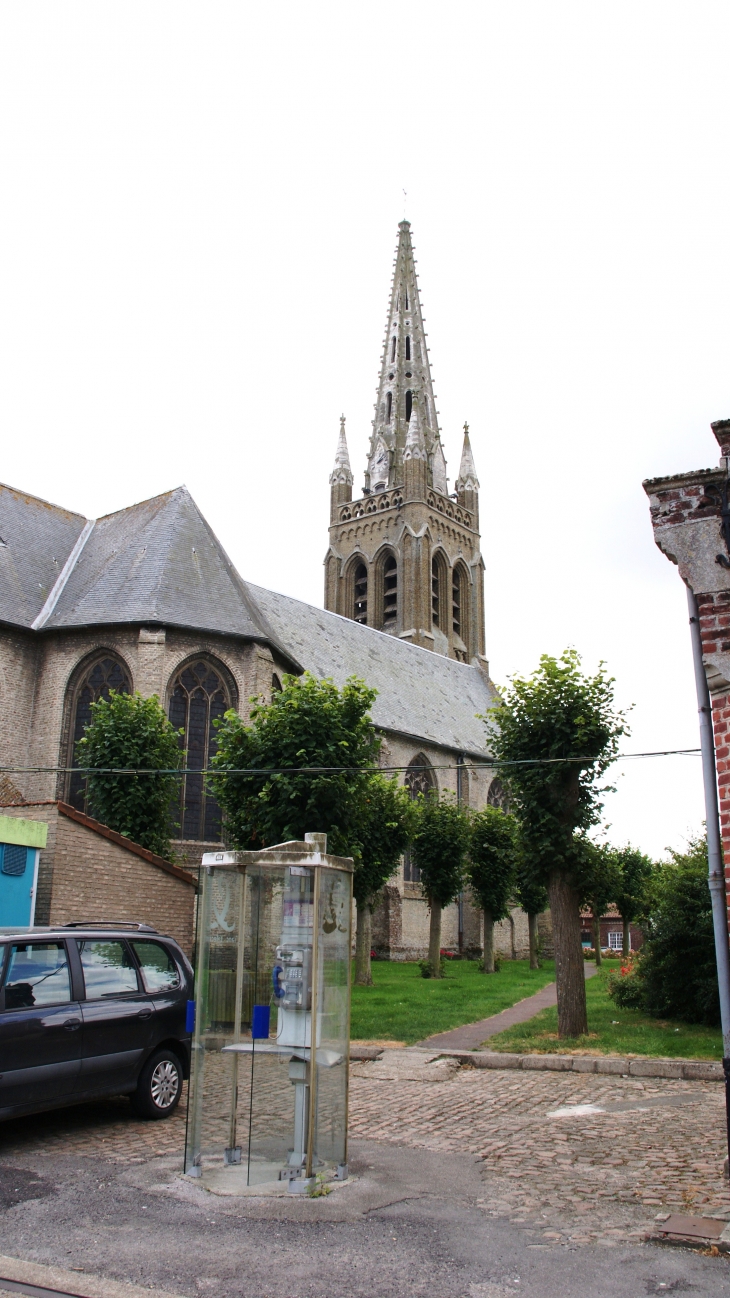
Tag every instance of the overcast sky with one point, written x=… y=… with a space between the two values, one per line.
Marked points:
x=199 y=211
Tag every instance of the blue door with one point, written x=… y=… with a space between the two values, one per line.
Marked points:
x=17 y=879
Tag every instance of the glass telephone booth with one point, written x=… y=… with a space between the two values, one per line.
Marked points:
x=269 y=1076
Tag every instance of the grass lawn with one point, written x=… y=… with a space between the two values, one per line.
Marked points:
x=612 y=1031
x=402 y=1006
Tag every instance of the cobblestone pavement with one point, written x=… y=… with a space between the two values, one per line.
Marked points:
x=577 y=1177
x=568 y=1173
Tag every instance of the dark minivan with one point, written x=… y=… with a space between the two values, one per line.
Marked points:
x=88 y=1010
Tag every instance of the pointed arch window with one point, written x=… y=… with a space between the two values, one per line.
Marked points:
x=439 y=614
x=388 y=407
x=457 y=601
x=199 y=696
x=460 y=612
x=390 y=591
x=497 y=795
x=420 y=778
x=104 y=673
x=392 y=350
x=409 y=405
x=408 y=347
x=361 y=594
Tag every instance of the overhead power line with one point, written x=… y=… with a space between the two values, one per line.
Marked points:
x=332 y=770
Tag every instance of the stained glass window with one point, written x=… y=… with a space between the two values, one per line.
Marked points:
x=198 y=697
x=420 y=778
x=102 y=676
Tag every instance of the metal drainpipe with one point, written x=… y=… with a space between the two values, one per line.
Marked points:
x=459 y=798
x=716 y=878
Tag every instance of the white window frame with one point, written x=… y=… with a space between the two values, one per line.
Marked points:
x=616 y=940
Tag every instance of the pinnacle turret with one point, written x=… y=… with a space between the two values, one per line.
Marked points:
x=415 y=447
x=342 y=473
x=467 y=479
x=405 y=384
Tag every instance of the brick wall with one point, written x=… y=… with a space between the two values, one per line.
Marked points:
x=87 y=874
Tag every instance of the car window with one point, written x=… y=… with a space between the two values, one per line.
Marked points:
x=108 y=969
x=37 y=975
x=159 y=971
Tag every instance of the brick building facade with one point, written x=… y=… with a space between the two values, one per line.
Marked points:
x=89 y=873
x=691 y=520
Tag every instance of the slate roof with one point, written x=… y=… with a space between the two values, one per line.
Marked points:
x=37 y=539
x=158 y=562
x=420 y=693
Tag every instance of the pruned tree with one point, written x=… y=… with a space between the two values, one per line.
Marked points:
x=601 y=876
x=131 y=753
x=301 y=766
x=533 y=898
x=555 y=734
x=385 y=815
x=491 y=870
x=439 y=844
x=636 y=872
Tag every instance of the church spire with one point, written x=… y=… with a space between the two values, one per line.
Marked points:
x=405 y=382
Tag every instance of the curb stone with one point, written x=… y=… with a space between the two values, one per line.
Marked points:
x=690 y=1070
x=74 y=1283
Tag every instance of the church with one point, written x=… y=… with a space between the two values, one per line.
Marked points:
x=146 y=599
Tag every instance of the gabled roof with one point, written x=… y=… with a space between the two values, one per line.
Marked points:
x=157 y=562
x=420 y=693
x=36 y=539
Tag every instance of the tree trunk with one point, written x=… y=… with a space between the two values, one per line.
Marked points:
x=363 y=940
x=597 y=940
x=627 y=939
x=569 y=971
x=513 y=947
x=532 y=930
x=488 y=961
x=434 y=940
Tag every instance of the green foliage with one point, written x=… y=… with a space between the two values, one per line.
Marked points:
x=600 y=874
x=529 y=891
x=427 y=969
x=384 y=818
x=636 y=873
x=558 y=712
x=677 y=964
x=440 y=842
x=258 y=782
x=128 y=732
x=493 y=859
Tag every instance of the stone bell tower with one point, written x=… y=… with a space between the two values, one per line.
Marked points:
x=405 y=557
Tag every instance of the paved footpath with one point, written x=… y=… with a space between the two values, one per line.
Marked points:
x=473 y=1035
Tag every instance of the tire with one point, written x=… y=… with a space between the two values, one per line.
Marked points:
x=159 y=1086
